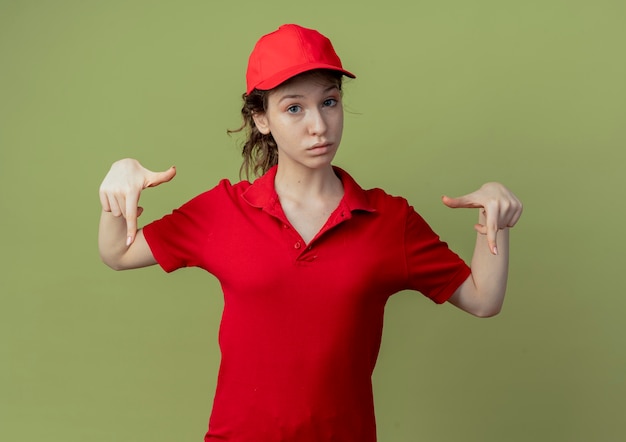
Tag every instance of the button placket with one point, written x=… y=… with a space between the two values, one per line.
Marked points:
x=298 y=245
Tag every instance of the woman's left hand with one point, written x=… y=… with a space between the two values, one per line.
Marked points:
x=501 y=209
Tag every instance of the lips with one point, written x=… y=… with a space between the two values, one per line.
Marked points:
x=320 y=147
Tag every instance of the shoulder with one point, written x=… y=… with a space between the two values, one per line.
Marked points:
x=390 y=209
x=372 y=199
x=397 y=210
x=223 y=190
x=381 y=198
x=221 y=198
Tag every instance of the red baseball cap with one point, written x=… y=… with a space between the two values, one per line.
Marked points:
x=289 y=51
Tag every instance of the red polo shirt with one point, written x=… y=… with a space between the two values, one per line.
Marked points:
x=302 y=323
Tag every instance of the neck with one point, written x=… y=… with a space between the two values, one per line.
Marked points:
x=307 y=183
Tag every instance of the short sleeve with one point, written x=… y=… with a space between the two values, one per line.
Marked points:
x=433 y=269
x=179 y=239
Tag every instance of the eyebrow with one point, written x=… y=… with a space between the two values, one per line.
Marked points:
x=286 y=97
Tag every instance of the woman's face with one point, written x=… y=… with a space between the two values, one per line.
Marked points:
x=305 y=117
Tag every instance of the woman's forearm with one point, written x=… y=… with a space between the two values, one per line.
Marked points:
x=490 y=272
x=112 y=239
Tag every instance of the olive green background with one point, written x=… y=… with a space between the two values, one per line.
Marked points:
x=449 y=94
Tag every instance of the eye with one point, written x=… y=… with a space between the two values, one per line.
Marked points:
x=294 y=109
x=330 y=102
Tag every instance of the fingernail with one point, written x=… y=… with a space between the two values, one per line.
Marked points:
x=129 y=240
x=495 y=250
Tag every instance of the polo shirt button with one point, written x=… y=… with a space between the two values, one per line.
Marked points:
x=285 y=226
x=297 y=245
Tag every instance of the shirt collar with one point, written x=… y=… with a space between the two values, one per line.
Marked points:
x=262 y=193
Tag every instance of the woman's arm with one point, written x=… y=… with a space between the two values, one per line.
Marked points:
x=121 y=246
x=482 y=294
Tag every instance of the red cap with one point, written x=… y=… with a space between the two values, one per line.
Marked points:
x=287 y=52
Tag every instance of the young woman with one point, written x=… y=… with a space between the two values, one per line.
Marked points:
x=306 y=258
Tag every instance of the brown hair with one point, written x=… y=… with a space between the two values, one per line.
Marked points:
x=259 y=151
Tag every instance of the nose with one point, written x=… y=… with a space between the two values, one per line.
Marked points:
x=317 y=123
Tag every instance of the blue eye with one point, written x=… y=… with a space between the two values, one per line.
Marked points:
x=330 y=102
x=293 y=109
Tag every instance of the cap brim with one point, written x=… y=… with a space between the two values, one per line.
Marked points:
x=282 y=76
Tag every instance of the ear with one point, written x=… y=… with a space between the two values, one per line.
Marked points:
x=261 y=123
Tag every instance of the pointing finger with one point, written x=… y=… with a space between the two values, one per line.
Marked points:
x=491 y=224
x=131 y=218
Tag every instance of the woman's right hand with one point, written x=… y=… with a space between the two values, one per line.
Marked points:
x=121 y=188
